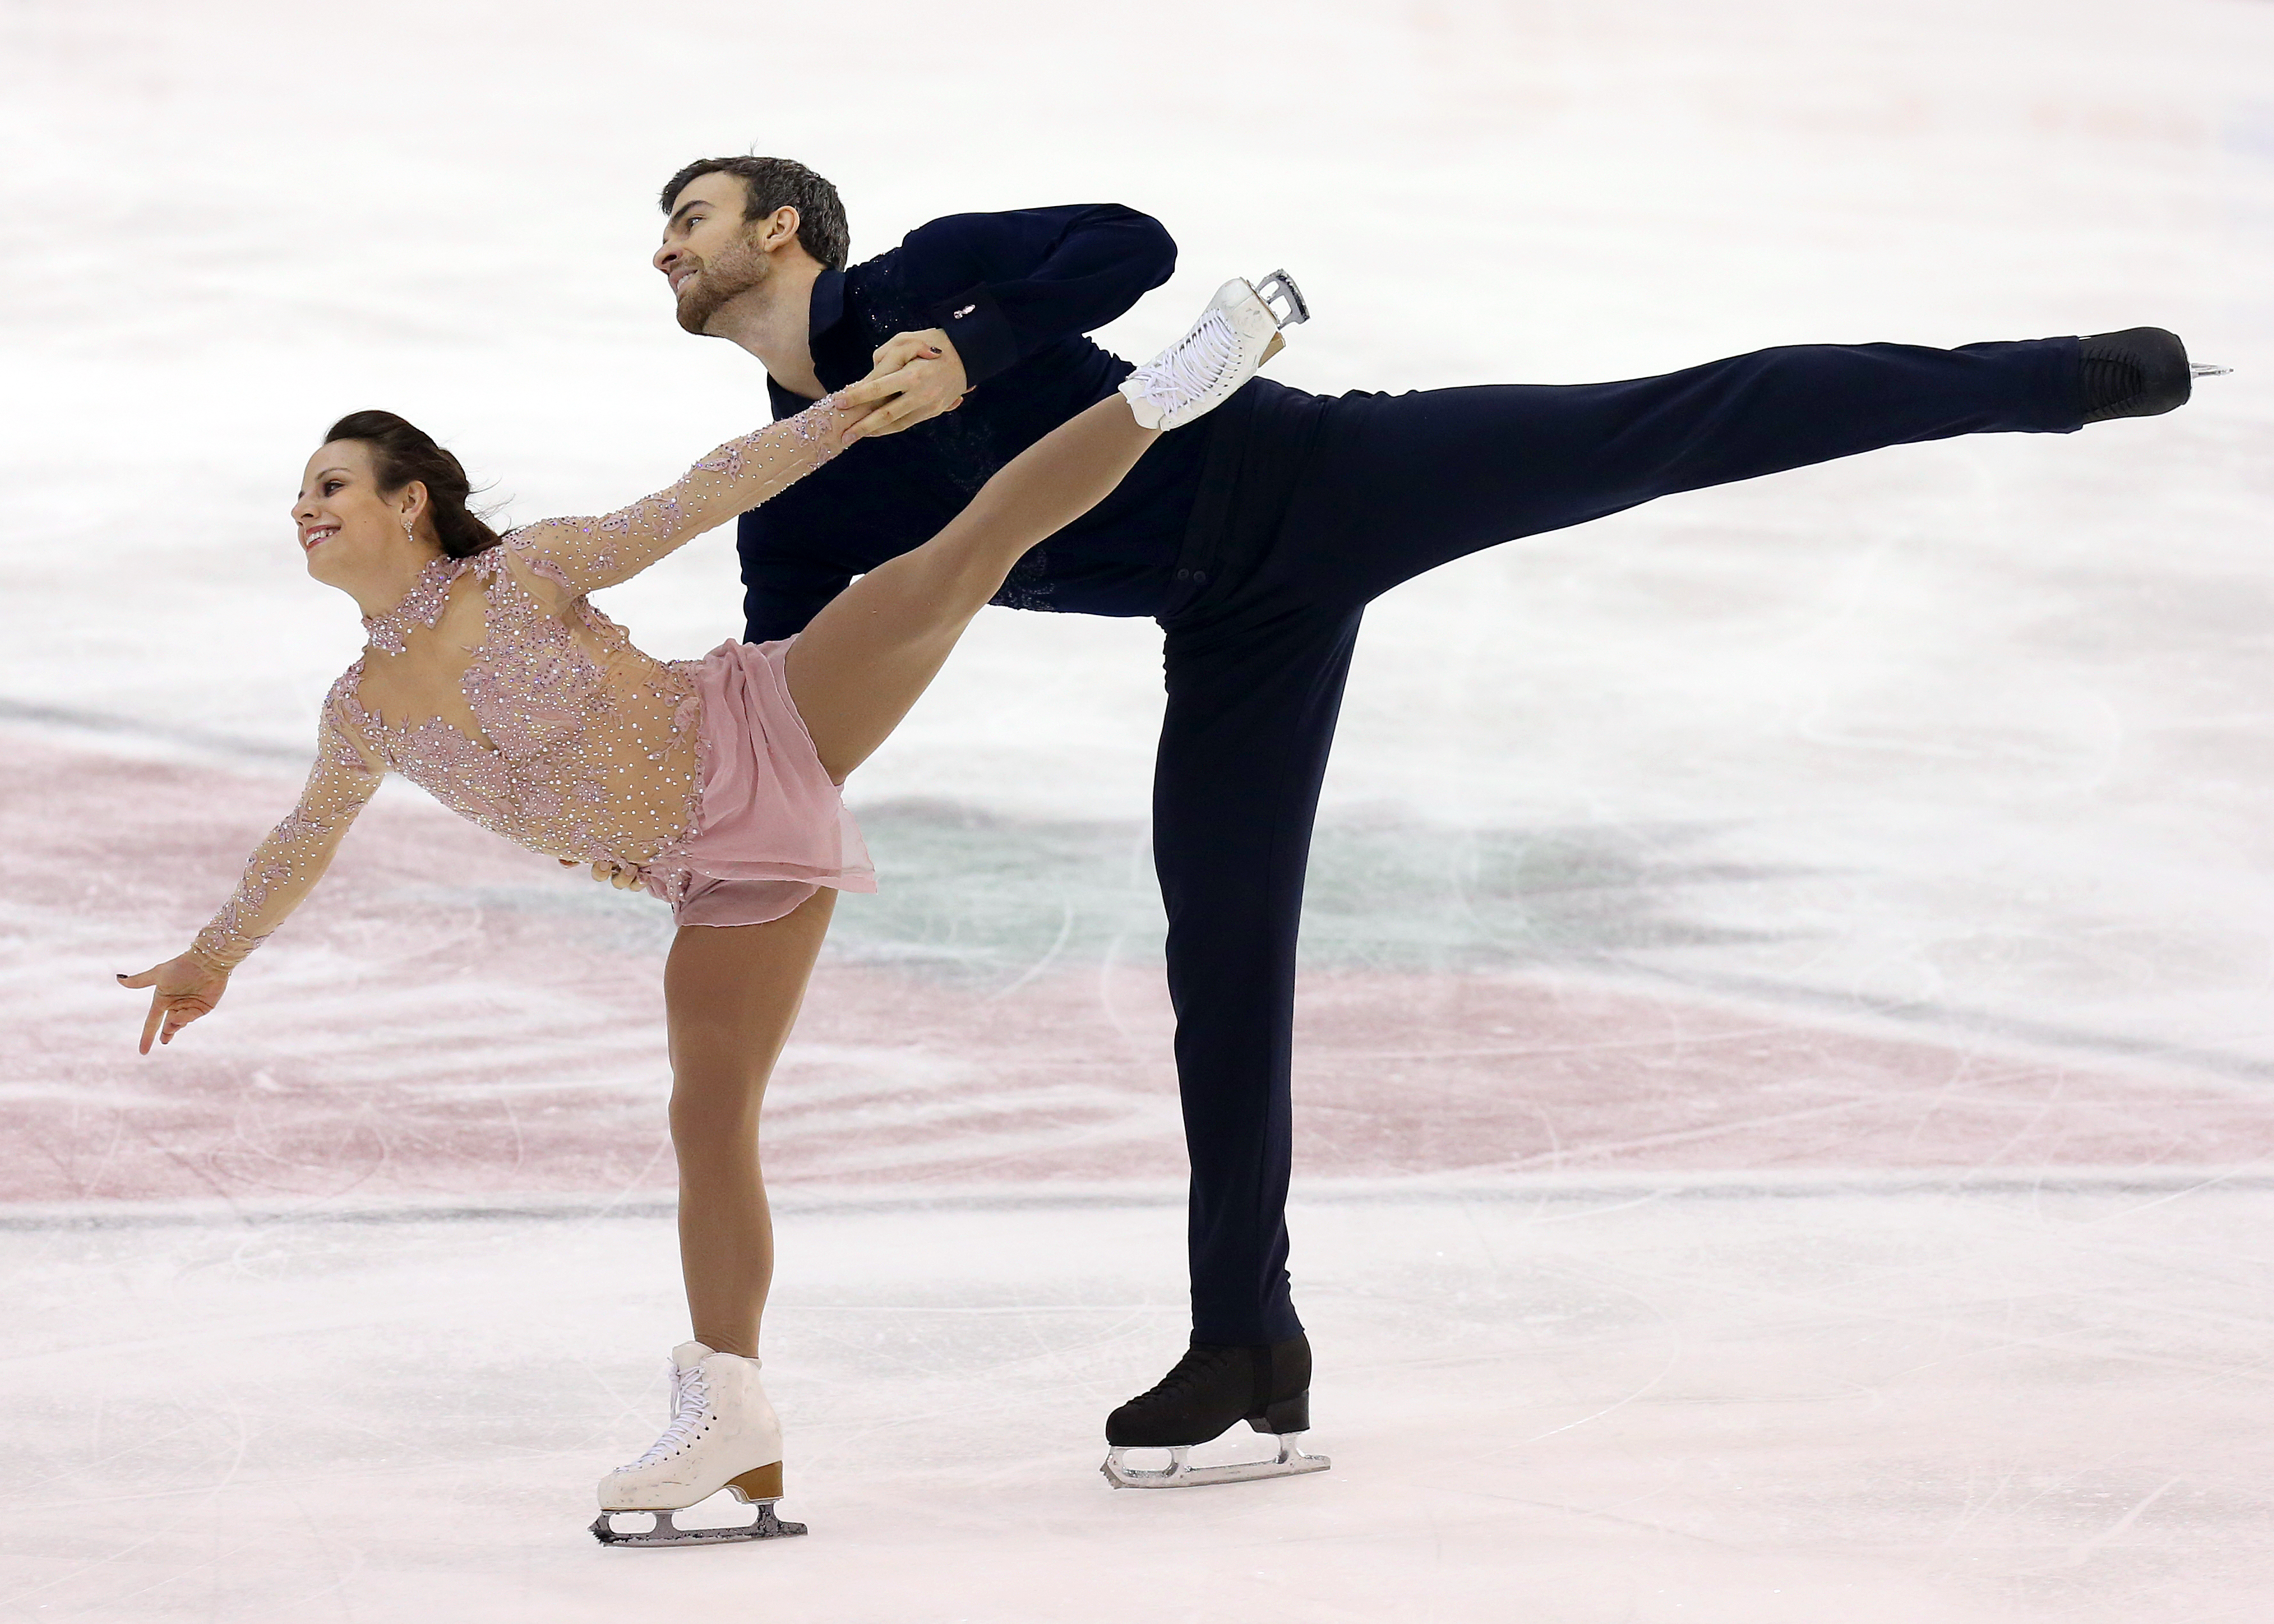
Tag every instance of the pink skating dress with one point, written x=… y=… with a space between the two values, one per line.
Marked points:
x=495 y=686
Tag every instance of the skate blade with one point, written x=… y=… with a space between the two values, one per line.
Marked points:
x=1181 y=1474
x=2207 y=369
x=767 y=1526
x=1283 y=299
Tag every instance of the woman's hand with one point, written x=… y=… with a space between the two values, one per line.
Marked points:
x=622 y=876
x=914 y=376
x=181 y=990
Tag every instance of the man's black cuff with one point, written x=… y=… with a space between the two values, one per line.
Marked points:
x=981 y=333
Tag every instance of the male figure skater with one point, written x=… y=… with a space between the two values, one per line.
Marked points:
x=1255 y=540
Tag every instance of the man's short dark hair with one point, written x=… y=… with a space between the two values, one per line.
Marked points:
x=769 y=182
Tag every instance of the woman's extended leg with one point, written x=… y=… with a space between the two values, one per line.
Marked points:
x=871 y=653
x=731 y=993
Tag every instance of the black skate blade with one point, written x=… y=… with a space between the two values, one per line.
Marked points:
x=766 y=1526
x=1181 y=1474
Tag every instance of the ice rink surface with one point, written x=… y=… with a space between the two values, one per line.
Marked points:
x=1786 y=1405
x=1785 y=1126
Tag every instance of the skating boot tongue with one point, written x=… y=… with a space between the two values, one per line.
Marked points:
x=685 y=1360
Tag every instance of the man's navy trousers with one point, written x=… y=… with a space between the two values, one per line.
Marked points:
x=1313 y=507
x=1256 y=538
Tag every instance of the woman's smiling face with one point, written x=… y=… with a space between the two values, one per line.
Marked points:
x=347 y=527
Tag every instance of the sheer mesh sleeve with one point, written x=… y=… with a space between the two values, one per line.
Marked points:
x=285 y=867
x=585 y=555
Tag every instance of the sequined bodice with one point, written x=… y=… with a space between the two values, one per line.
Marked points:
x=583 y=745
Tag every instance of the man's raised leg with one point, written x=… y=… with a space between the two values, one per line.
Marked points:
x=1401 y=483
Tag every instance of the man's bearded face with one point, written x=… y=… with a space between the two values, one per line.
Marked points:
x=733 y=265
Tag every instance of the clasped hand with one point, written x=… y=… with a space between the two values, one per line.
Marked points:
x=912 y=377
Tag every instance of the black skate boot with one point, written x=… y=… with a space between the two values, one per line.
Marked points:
x=2139 y=373
x=1213 y=1387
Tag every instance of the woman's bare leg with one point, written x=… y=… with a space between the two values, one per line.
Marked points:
x=871 y=653
x=731 y=993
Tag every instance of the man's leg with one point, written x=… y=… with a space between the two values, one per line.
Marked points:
x=1251 y=714
x=1253 y=700
x=1400 y=484
x=1394 y=485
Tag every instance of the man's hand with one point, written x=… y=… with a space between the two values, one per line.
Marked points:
x=622 y=876
x=924 y=376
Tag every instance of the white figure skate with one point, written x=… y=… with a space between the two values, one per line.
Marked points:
x=1237 y=332
x=723 y=1435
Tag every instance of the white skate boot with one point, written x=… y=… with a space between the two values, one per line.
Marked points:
x=723 y=1435
x=1237 y=334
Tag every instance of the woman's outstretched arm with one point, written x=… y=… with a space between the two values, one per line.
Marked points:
x=584 y=555
x=281 y=871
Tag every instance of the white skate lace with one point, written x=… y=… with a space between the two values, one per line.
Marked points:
x=692 y=1390
x=1191 y=369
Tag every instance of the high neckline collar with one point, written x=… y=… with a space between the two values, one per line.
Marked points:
x=825 y=311
x=828 y=308
x=421 y=605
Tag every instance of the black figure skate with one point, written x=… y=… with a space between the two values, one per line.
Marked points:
x=2139 y=373
x=1211 y=1387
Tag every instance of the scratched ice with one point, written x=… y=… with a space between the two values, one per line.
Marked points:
x=1785 y=1107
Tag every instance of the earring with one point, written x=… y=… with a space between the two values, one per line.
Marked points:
x=410 y=527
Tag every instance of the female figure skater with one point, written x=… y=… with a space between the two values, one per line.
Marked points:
x=490 y=680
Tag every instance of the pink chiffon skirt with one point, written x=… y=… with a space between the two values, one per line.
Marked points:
x=770 y=829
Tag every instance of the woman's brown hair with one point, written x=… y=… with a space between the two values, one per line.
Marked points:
x=401 y=452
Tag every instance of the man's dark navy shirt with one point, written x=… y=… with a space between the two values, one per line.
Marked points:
x=1016 y=292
